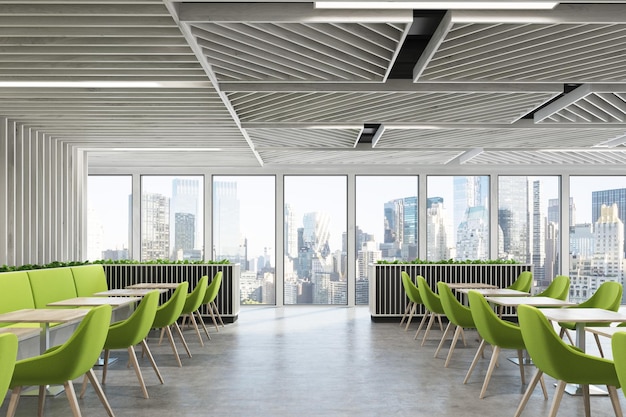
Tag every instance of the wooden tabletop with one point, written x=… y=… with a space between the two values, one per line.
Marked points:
x=533 y=301
x=496 y=292
x=585 y=315
x=155 y=285
x=43 y=315
x=129 y=292
x=95 y=301
x=470 y=285
x=605 y=331
x=21 y=332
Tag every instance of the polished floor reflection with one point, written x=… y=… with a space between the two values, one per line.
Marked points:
x=315 y=361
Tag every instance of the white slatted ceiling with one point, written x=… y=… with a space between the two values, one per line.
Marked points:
x=496 y=138
x=297 y=51
x=593 y=108
x=303 y=138
x=565 y=53
x=582 y=157
x=356 y=157
x=388 y=107
x=193 y=159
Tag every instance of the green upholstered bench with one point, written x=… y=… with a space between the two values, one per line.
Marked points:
x=15 y=294
x=89 y=279
x=50 y=285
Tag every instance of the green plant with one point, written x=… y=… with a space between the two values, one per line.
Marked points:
x=58 y=264
x=452 y=262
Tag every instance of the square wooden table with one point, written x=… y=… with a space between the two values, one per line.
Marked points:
x=21 y=332
x=129 y=292
x=496 y=292
x=155 y=285
x=607 y=331
x=44 y=316
x=532 y=301
x=471 y=285
x=95 y=301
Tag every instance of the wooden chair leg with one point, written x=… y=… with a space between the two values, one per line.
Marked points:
x=586 y=400
x=173 y=345
x=411 y=314
x=83 y=388
x=195 y=326
x=529 y=390
x=41 y=400
x=443 y=338
x=479 y=353
x=424 y=318
x=558 y=395
x=15 y=399
x=210 y=308
x=217 y=313
x=180 y=333
x=105 y=366
x=71 y=397
x=201 y=320
x=599 y=345
x=147 y=351
x=133 y=359
x=455 y=338
x=406 y=312
x=430 y=324
x=520 y=358
x=617 y=408
x=492 y=365
x=96 y=386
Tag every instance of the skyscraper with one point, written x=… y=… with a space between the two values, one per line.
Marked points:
x=513 y=218
x=400 y=240
x=538 y=235
x=291 y=232
x=439 y=232
x=184 y=209
x=608 y=197
x=155 y=226
x=471 y=217
x=227 y=238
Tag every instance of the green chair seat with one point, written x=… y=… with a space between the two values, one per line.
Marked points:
x=432 y=303
x=558 y=288
x=193 y=301
x=209 y=300
x=523 y=282
x=413 y=294
x=166 y=316
x=561 y=361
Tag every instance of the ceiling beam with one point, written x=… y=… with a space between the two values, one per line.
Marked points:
x=284 y=13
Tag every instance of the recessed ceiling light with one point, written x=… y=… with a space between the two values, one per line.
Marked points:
x=438 y=5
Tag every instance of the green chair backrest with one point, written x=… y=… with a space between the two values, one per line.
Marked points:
x=170 y=310
x=492 y=328
x=608 y=296
x=523 y=282
x=53 y=284
x=15 y=292
x=558 y=359
x=618 y=344
x=71 y=359
x=411 y=290
x=429 y=297
x=456 y=312
x=558 y=288
x=89 y=279
x=213 y=288
x=8 y=354
x=135 y=328
x=194 y=299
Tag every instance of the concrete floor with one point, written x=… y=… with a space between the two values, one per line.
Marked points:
x=315 y=361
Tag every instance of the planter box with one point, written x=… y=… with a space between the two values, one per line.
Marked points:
x=120 y=276
x=387 y=296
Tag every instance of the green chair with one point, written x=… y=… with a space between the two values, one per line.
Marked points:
x=8 y=354
x=432 y=303
x=64 y=363
x=209 y=300
x=558 y=288
x=130 y=332
x=193 y=301
x=458 y=315
x=413 y=294
x=166 y=316
x=499 y=334
x=608 y=297
x=523 y=282
x=618 y=344
x=563 y=362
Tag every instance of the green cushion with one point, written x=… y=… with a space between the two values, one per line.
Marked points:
x=89 y=279
x=15 y=292
x=51 y=285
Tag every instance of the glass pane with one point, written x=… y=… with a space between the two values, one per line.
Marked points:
x=462 y=233
x=386 y=224
x=315 y=222
x=244 y=232
x=529 y=223
x=171 y=218
x=108 y=220
x=597 y=213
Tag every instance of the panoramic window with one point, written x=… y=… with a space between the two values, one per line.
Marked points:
x=172 y=211
x=457 y=217
x=596 y=239
x=529 y=224
x=244 y=232
x=386 y=224
x=108 y=220
x=315 y=254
